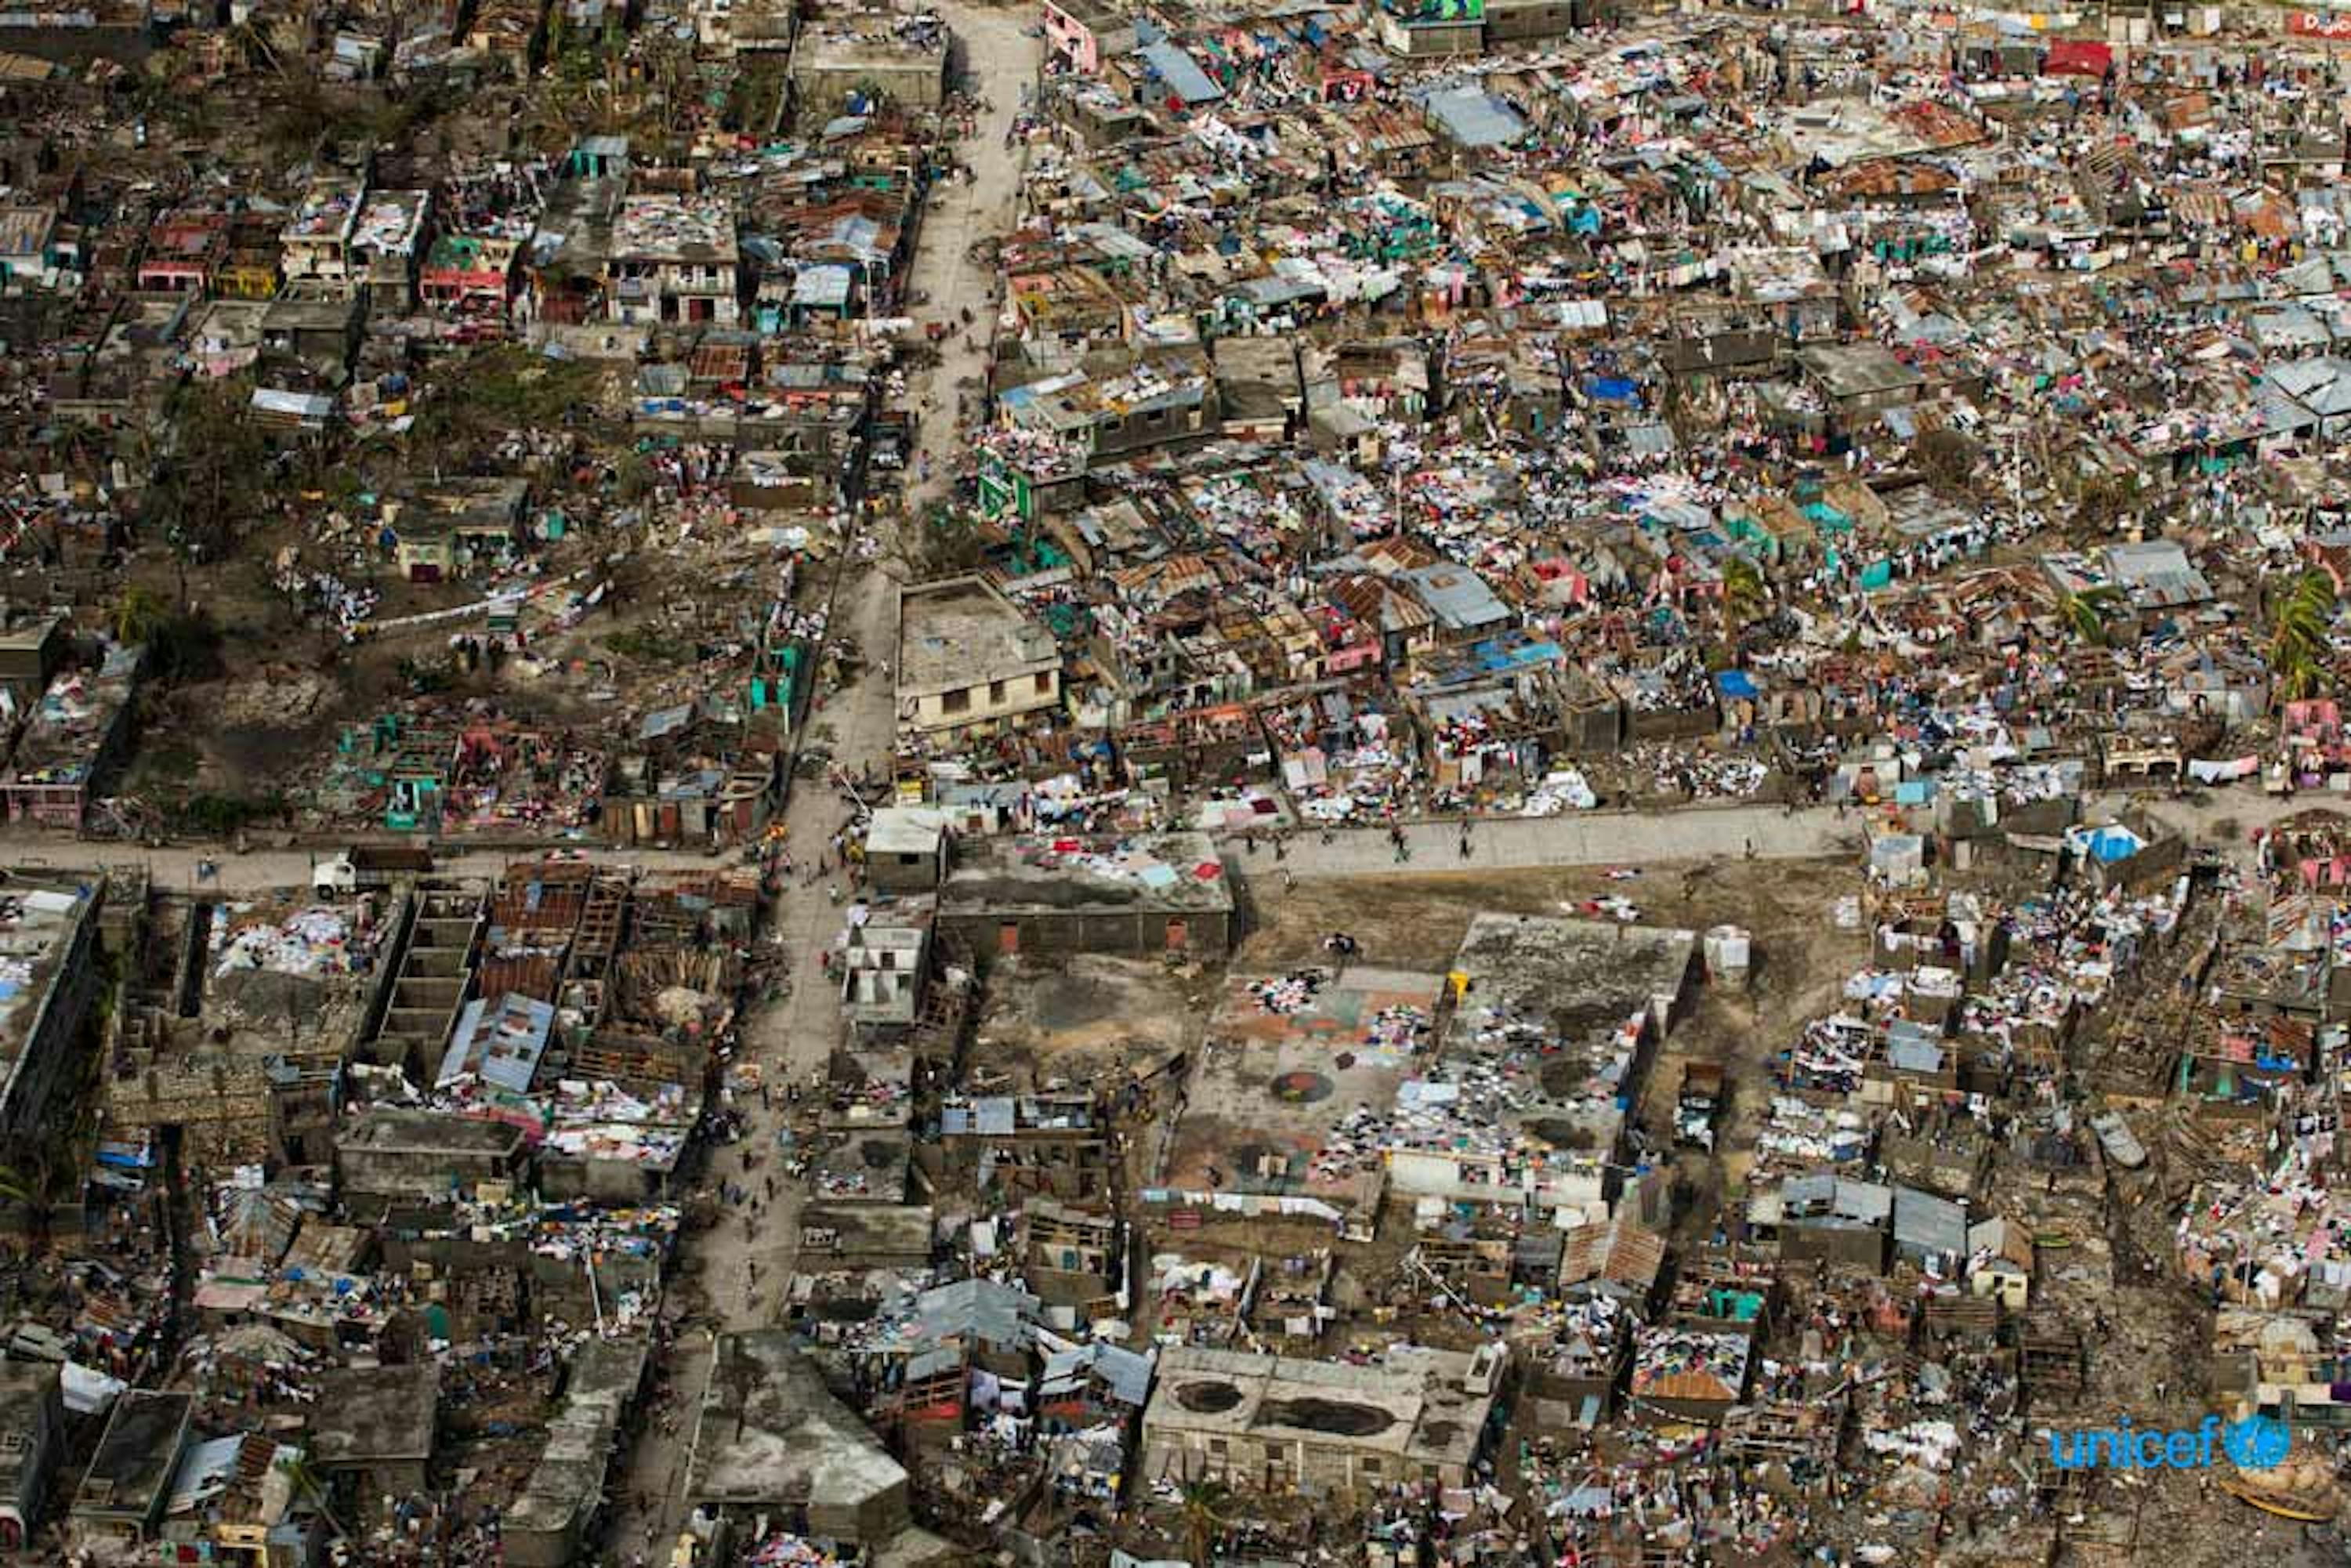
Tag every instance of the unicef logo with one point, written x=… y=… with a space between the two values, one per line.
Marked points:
x=2256 y=1443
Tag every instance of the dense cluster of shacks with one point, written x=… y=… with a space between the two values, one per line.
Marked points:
x=1456 y=409
x=461 y=396
x=1409 y=1262
x=1510 y=407
x=1384 y=420
x=369 y=1262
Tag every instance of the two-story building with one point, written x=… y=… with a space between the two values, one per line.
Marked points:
x=674 y=258
x=315 y=242
x=971 y=660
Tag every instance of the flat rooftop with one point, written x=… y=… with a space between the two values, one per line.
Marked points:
x=1178 y=873
x=137 y=1453
x=769 y=1434
x=389 y=1129
x=1566 y=979
x=855 y=51
x=1292 y=1064
x=369 y=1415
x=1413 y=1404
x=1081 y=1019
x=674 y=228
x=39 y=913
x=959 y=632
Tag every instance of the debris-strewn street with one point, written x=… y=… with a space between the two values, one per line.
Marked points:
x=1426 y=783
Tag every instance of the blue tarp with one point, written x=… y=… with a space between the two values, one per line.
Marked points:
x=2108 y=844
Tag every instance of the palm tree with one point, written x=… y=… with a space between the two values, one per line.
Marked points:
x=27 y=1187
x=139 y=614
x=1205 y=1505
x=2301 y=629
x=2087 y=611
x=1744 y=591
x=309 y=1483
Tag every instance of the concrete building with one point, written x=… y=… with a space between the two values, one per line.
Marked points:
x=387 y=245
x=1860 y=381
x=882 y=972
x=391 y=1153
x=902 y=59
x=373 y=1427
x=1027 y=1142
x=1419 y=29
x=1162 y=893
x=120 y=1500
x=906 y=849
x=1523 y=21
x=48 y=926
x=553 y=1520
x=771 y=1441
x=674 y=259
x=31 y=651
x=1568 y=1011
x=317 y=239
x=970 y=660
x=1265 y=1422
x=32 y=1440
x=1087 y=32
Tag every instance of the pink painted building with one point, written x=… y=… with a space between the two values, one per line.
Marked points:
x=1087 y=32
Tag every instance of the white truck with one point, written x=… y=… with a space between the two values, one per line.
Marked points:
x=364 y=866
x=1697 y=1105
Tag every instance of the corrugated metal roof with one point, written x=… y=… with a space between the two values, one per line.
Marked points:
x=502 y=1046
x=1474 y=117
x=1181 y=72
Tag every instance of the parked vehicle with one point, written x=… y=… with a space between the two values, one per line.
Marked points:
x=1699 y=1104
x=364 y=866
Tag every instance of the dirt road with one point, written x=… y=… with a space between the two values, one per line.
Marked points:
x=739 y=1266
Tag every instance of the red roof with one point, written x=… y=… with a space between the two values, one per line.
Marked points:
x=2068 y=58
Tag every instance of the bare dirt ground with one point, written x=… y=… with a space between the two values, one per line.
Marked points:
x=1084 y=1018
x=1800 y=960
x=1416 y=922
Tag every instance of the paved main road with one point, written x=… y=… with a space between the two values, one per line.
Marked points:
x=807 y=916
x=860 y=716
x=1600 y=838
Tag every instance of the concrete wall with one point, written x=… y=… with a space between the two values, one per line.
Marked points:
x=1526 y=19
x=1140 y=934
x=921 y=83
x=1859 y=1247
x=878 y=1518
x=426 y=1174
x=902 y=874
x=1073 y=38
x=604 y=1181
x=982 y=707
x=1253 y=1463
